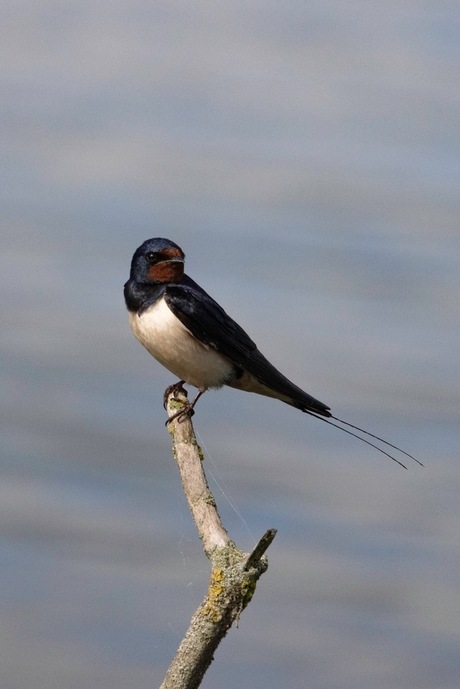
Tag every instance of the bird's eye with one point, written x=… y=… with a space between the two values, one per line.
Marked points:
x=151 y=256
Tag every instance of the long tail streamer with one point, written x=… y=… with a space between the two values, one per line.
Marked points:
x=368 y=442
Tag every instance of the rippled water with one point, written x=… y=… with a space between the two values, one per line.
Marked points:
x=306 y=159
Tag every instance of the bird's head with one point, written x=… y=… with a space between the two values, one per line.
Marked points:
x=157 y=261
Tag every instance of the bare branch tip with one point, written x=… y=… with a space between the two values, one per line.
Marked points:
x=260 y=549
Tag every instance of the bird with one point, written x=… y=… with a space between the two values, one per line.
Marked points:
x=192 y=336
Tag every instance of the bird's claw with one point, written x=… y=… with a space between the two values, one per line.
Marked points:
x=188 y=410
x=175 y=387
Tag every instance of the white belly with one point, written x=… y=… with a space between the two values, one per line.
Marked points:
x=169 y=341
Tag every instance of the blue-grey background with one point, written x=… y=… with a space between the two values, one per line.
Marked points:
x=305 y=156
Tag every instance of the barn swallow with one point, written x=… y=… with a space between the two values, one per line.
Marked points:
x=194 y=338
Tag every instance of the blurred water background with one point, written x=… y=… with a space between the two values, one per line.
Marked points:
x=306 y=158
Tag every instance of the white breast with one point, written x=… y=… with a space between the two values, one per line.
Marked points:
x=169 y=341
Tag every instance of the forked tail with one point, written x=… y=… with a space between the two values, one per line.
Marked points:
x=368 y=442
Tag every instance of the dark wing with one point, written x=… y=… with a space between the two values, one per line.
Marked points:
x=208 y=322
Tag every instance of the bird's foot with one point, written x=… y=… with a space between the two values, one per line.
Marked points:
x=187 y=410
x=188 y=407
x=175 y=387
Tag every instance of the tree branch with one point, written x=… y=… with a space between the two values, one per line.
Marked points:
x=234 y=574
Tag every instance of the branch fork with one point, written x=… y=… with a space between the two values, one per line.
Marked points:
x=234 y=574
